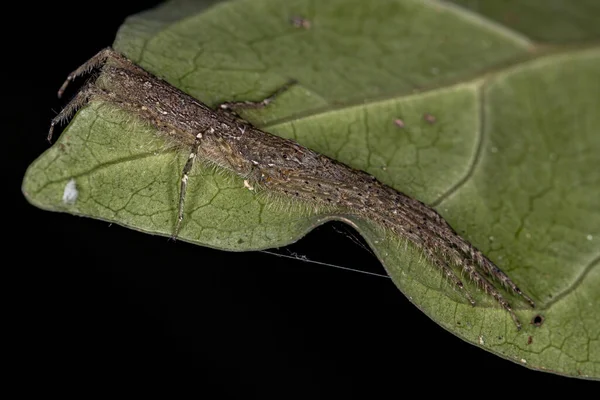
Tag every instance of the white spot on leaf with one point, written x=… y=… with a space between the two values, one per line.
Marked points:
x=70 y=194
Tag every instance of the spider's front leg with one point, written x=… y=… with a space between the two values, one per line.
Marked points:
x=84 y=96
x=98 y=61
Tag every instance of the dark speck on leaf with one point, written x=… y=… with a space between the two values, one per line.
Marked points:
x=538 y=320
x=429 y=118
x=300 y=22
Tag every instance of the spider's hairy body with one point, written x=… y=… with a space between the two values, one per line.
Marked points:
x=283 y=167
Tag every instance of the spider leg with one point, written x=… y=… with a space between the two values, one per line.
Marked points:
x=492 y=270
x=447 y=271
x=184 y=182
x=239 y=105
x=481 y=281
x=98 y=61
x=81 y=99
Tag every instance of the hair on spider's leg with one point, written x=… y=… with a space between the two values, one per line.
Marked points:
x=184 y=182
x=446 y=270
x=488 y=288
x=492 y=270
x=81 y=98
x=98 y=61
x=239 y=105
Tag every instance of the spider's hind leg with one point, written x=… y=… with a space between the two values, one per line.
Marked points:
x=492 y=270
x=447 y=271
x=471 y=269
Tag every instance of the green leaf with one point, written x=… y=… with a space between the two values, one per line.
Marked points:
x=509 y=155
x=558 y=22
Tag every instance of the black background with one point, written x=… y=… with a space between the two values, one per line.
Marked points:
x=98 y=308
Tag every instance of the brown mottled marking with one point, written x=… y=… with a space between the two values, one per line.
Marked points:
x=300 y=22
